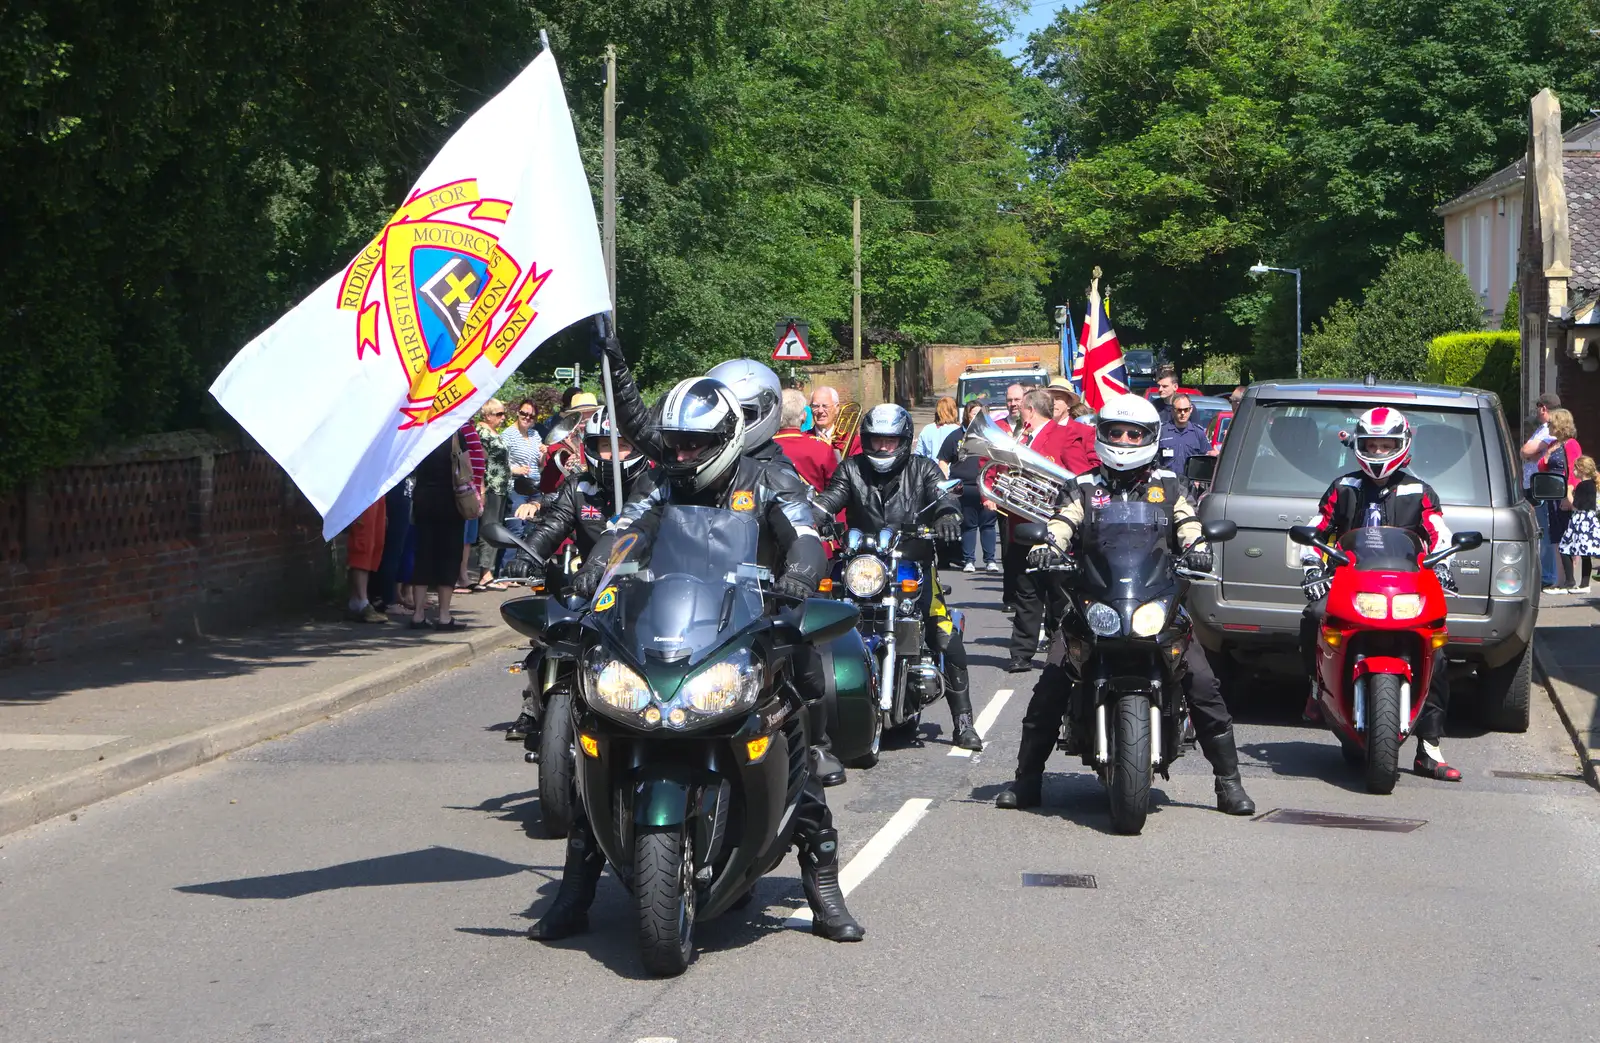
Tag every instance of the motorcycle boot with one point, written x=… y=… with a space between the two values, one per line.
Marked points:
x=569 y=913
x=958 y=694
x=828 y=769
x=819 y=873
x=1430 y=763
x=1223 y=754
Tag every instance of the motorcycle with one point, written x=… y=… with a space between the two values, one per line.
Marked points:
x=694 y=741
x=882 y=574
x=1126 y=633
x=1375 y=653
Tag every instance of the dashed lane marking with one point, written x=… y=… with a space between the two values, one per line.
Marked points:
x=986 y=719
x=871 y=857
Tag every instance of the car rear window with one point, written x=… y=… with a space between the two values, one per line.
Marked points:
x=1293 y=449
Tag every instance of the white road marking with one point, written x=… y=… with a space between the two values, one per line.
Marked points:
x=872 y=856
x=54 y=743
x=986 y=719
x=656 y=1039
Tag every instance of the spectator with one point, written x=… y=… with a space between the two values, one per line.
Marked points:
x=978 y=517
x=365 y=555
x=1074 y=444
x=1012 y=424
x=812 y=457
x=392 y=590
x=1561 y=457
x=1533 y=451
x=1166 y=387
x=1063 y=399
x=469 y=532
x=438 y=528
x=1182 y=439
x=1236 y=397
x=824 y=411
x=523 y=450
x=932 y=437
x=496 y=486
x=1582 y=540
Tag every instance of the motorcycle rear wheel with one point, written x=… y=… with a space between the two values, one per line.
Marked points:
x=556 y=766
x=663 y=887
x=1383 y=732
x=1128 y=780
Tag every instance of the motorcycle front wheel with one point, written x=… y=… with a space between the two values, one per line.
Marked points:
x=663 y=887
x=1129 y=772
x=1383 y=732
x=556 y=765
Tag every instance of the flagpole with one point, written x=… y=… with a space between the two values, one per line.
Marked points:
x=608 y=224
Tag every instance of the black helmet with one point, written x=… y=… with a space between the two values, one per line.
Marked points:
x=597 y=436
x=887 y=421
x=701 y=416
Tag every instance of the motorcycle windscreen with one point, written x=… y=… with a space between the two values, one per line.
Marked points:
x=1125 y=550
x=688 y=584
x=1383 y=548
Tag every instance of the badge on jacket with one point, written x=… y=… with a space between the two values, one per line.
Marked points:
x=607 y=598
x=1099 y=498
x=589 y=512
x=1156 y=494
x=744 y=500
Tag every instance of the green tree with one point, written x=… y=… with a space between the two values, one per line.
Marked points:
x=1419 y=296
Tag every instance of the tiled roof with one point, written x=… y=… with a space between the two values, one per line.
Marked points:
x=1582 y=170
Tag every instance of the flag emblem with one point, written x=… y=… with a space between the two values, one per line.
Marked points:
x=447 y=290
x=1098 y=369
x=589 y=512
x=1099 y=498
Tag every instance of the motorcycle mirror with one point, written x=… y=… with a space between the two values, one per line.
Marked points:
x=1029 y=532
x=524 y=485
x=1467 y=540
x=1305 y=535
x=885 y=535
x=1219 y=530
x=1200 y=468
x=852 y=540
x=950 y=485
x=823 y=619
x=496 y=534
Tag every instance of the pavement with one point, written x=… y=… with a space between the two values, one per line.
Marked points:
x=80 y=730
x=1567 y=654
x=372 y=876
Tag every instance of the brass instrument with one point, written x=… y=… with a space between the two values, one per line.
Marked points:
x=564 y=440
x=1016 y=479
x=845 y=426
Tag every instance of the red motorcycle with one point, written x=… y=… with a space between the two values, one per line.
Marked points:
x=1385 y=621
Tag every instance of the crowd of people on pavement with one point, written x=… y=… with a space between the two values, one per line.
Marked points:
x=1571 y=536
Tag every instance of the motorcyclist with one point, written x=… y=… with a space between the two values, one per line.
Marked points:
x=1381 y=492
x=579 y=509
x=886 y=486
x=702 y=428
x=760 y=396
x=1127 y=436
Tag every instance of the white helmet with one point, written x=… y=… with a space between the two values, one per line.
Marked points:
x=701 y=414
x=1122 y=412
x=1383 y=422
x=760 y=395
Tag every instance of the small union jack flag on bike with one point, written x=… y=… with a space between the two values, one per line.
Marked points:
x=1098 y=369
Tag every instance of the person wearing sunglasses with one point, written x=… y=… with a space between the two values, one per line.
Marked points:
x=1183 y=437
x=1127 y=438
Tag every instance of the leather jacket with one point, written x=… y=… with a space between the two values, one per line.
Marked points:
x=579 y=509
x=872 y=501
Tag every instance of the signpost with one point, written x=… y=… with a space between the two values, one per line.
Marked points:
x=570 y=374
x=792 y=342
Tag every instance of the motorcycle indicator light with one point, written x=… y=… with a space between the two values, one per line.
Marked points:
x=1372 y=606
x=1406 y=606
x=825 y=586
x=1440 y=640
x=1331 y=637
x=652 y=715
x=865 y=576
x=591 y=745
x=1103 y=619
x=757 y=748
x=910 y=586
x=1149 y=618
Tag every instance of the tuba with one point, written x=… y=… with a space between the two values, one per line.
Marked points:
x=1018 y=480
x=845 y=426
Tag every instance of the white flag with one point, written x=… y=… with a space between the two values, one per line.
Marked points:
x=494 y=250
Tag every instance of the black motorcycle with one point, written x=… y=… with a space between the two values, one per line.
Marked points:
x=1126 y=633
x=694 y=743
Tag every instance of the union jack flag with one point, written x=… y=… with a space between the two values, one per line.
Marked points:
x=1098 y=370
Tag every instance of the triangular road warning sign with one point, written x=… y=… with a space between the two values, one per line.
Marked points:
x=791 y=347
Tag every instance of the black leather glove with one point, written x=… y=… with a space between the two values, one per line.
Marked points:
x=947 y=527
x=1316 y=582
x=585 y=583
x=1199 y=559
x=793 y=587
x=1043 y=556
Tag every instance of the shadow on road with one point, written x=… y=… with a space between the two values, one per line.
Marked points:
x=432 y=865
x=521 y=808
x=1079 y=798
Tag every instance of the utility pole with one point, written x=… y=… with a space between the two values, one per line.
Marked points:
x=608 y=232
x=855 y=322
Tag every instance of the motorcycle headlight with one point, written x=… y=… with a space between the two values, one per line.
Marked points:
x=1372 y=606
x=732 y=684
x=618 y=686
x=866 y=576
x=1149 y=618
x=1406 y=606
x=1103 y=619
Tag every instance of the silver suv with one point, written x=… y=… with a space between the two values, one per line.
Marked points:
x=1281 y=455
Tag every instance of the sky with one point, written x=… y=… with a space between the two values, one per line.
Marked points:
x=1039 y=14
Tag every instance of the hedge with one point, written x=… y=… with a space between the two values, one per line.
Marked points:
x=1491 y=360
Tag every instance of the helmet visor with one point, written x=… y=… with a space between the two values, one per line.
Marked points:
x=1121 y=432
x=687 y=447
x=1379 y=447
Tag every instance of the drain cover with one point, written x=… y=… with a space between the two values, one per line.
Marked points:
x=1058 y=880
x=1333 y=820
x=1540 y=776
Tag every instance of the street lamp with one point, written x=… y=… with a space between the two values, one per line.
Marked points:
x=1261 y=268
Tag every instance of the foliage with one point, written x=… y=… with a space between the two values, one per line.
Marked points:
x=1511 y=317
x=1490 y=360
x=1419 y=296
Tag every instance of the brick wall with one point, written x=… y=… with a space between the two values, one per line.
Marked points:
x=178 y=534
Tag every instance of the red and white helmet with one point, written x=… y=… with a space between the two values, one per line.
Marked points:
x=1383 y=422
